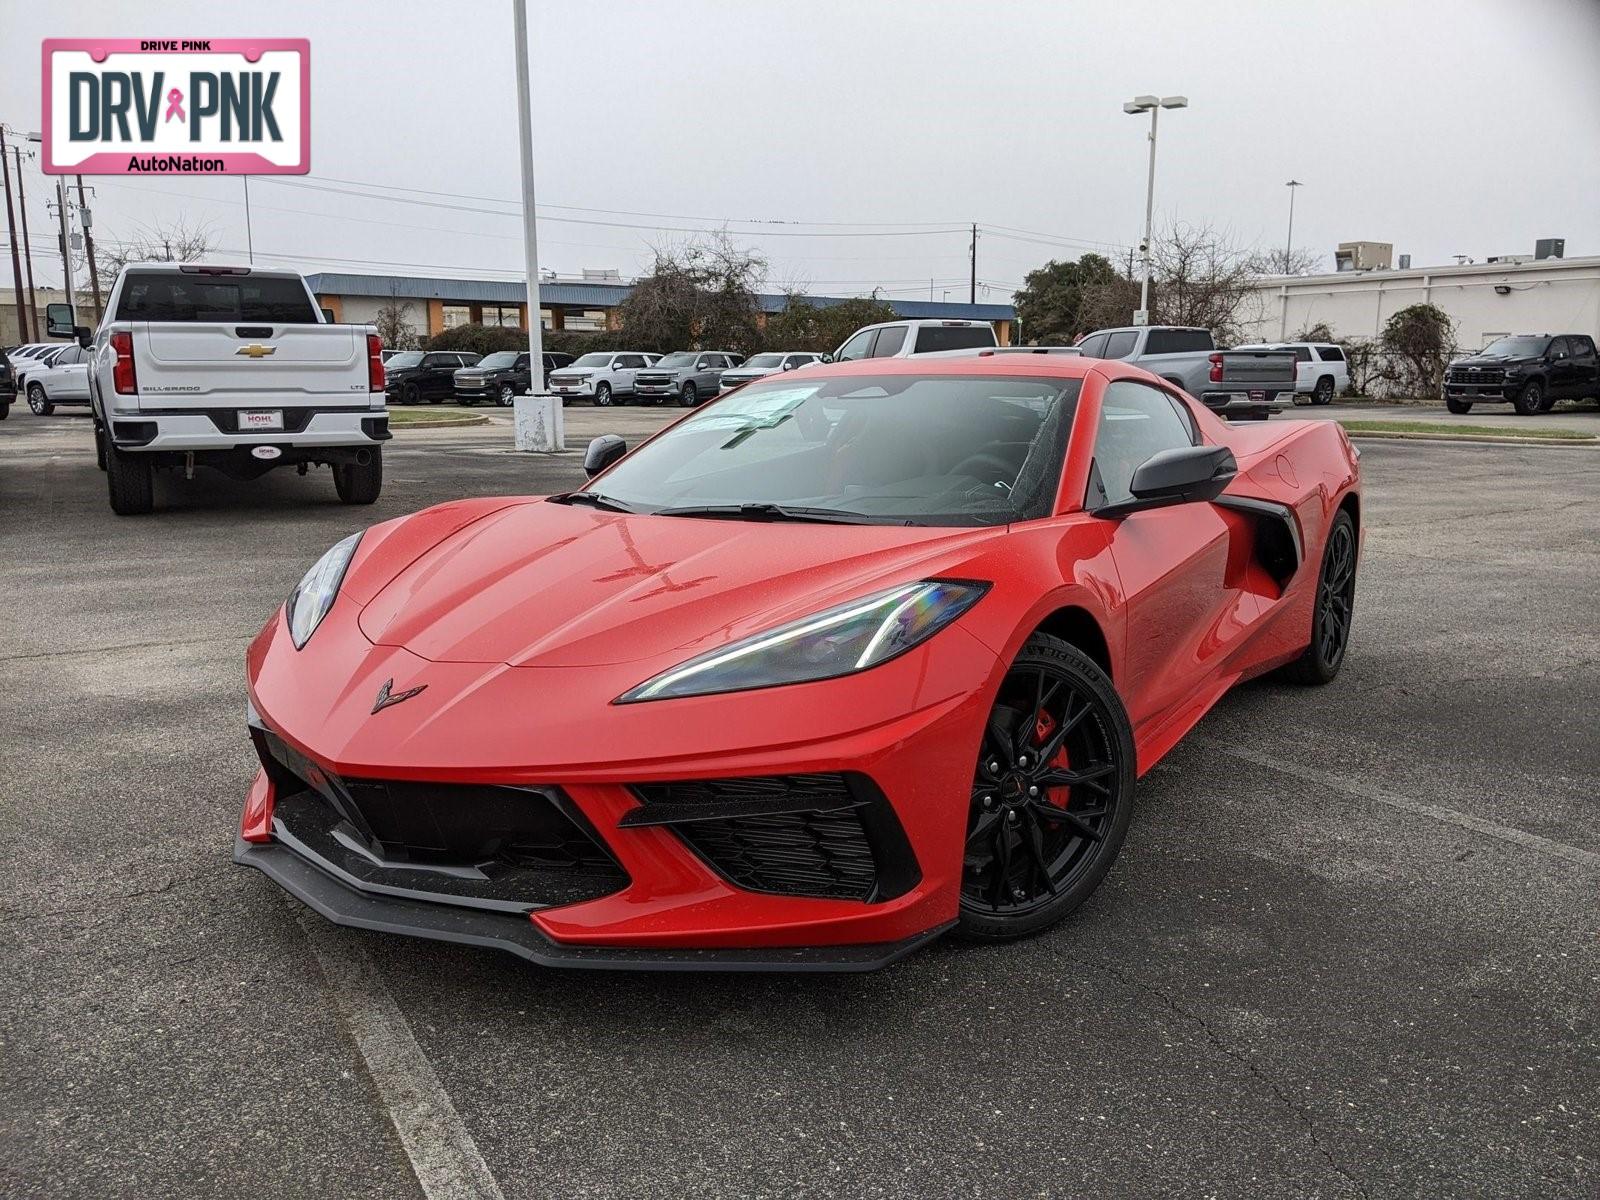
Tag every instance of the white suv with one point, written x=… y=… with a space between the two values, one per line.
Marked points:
x=901 y=339
x=602 y=378
x=1320 y=370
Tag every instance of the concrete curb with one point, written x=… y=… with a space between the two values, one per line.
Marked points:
x=1479 y=439
x=447 y=423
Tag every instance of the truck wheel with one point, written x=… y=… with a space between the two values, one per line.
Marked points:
x=5 y=410
x=506 y=396
x=1323 y=392
x=359 y=483
x=38 y=401
x=130 y=479
x=602 y=395
x=1460 y=407
x=408 y=394
x=689 y=397
x=1530 y=400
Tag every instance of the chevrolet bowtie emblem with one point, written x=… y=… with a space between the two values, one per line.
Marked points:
x=256 y=351
x=387 y=695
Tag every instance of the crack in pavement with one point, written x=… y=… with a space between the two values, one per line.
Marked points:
x=238 y=637
x=1299 y=1111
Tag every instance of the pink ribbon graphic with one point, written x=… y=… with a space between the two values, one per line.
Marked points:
x=175 y=105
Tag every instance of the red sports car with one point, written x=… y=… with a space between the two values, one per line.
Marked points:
x=846 y=659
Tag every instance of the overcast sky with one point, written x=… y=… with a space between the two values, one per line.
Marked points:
x=1444 y=126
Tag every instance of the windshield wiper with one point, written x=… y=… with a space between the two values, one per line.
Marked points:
x=781 y=512
x=597 y=499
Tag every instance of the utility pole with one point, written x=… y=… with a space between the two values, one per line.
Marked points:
x=27 y=246
x=972 y=289
x=549 y=431
x=11 y=233
x=87 y=221
x=66 y=246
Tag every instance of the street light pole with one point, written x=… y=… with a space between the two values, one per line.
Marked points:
x=1152 y=105
x=548 y=408
x=1288 y=245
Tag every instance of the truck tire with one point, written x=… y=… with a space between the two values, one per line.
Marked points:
x=38 y=401
x=409 y=394
x=5 y=410
x=359 y=483
x=1530 y=400
x=1323 y=392
x=689 y=396
x=1460 y=407
x=130 y=480
x=602 y=394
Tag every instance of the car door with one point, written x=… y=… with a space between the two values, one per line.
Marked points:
x=436 y=374
x=72 y=382
x=1182 y=616
x=1561 y=374
x=857 y=347
x=1585 y=366
x=624 y=369
x=707 y=371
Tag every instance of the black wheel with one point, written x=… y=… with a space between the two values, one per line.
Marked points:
x=1052 y=795
x=360 y=483
x=1460 y=407
x=602 y=395
x=506 y=396
x=689 y=395
x=5 y=410
x=1530 y=400
x=38 y=401
x=409 y=394
x=130 y=479
x=1323 y=392
x=1334 y=607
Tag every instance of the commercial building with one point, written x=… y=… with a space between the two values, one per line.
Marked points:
x=431 y=305
x=1483 y=300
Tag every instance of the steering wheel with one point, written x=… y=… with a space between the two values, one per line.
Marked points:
x=988 y=466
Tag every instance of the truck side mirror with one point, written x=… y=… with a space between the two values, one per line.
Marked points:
x=84 y=334
x=58 y=321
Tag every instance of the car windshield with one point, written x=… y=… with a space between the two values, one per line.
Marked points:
x=765 y=361
x=1517 y=347
x=925 y=449
x=501 y=358
x=679 y=359
x=406 y=358
x=593 y=360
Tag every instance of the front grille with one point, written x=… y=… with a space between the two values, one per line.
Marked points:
x=460 y=843
x=828 y=836
x=1477 y=375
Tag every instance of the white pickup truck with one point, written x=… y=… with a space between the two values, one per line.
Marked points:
x=235 y=369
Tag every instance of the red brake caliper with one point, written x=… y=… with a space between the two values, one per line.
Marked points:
x=1043 y=728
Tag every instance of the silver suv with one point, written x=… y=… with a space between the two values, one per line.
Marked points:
x=688 y=376
x=602 y=377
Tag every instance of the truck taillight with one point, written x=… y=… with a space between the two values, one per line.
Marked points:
x=1216 y=368
x=122 y=377
x=375 y=378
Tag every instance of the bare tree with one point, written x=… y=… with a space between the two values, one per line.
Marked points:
x=1204 y=279
x=177 y=242
x=393 y=323
x=698 y=294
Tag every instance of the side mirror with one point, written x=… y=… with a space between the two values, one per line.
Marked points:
x=1181 y=475
x=58 y=320
x=787 y=365
x=827 y=358
x=602 y=452
x=84 y=334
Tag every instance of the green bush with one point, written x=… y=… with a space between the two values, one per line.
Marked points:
x=479 y=339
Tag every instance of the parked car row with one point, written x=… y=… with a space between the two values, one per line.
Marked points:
x=1530 y=372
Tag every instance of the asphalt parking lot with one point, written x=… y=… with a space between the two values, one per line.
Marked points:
x=1350 y=948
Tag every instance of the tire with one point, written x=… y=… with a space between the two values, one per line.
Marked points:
x=357 y=484
x=1460 y=407
x=1333 y=610
x=39 y=401
x=409 y=394
x=506 y=396
x=602 y=395
x=1323 y=392
x=1024 y=869
x=130 y=480
x=5 y=410
x=1530 y=400
x=688 y=395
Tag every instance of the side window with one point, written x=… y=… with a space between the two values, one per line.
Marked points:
x=859 y=346
x=1093 y=347
x=799 y=360
x=438 y=360
x=889 y=341
x=1330 y=353
x=1136 y=421
x=626 y=361
x=1582 y=347
x=1302 y=354
x=1120 y=345
x=1558 y=348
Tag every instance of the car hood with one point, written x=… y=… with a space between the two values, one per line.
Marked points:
x=553 y=585
x=1494 y=360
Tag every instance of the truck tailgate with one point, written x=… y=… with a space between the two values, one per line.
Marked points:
x=1259 y=368
x=186 y=364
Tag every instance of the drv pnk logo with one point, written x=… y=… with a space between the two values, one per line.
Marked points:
x=164 y=106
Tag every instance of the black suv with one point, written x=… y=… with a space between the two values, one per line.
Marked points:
x=416 y=375
x=502 y=376
x=1529 y=371
x=8 y=386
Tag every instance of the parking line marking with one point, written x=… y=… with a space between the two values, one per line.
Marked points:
x=1340 y=783
x=442 y=1153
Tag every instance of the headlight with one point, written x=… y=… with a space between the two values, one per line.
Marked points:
x=311 y=599
x=838 y=641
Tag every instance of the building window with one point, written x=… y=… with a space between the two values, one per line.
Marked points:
x=454 y=315
x=546 y=318
x=588 y=321
x=506 y=316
